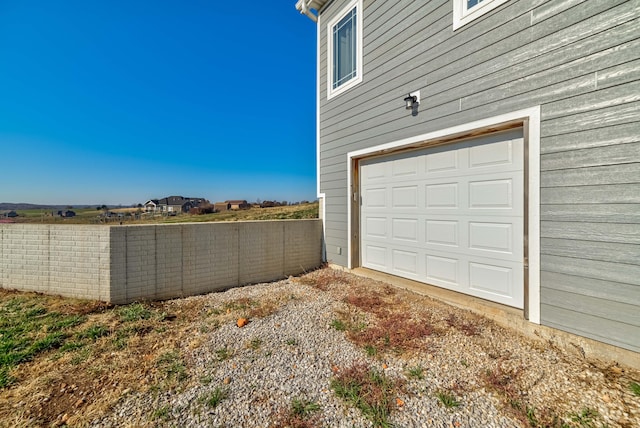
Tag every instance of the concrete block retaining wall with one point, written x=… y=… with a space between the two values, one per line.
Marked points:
x=122 y=264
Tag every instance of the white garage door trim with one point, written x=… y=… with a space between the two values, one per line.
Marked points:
x=529 y=119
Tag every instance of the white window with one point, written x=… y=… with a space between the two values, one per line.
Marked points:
x=465 y=11
x=344 y=53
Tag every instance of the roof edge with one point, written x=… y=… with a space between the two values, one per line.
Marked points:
x=305 y=7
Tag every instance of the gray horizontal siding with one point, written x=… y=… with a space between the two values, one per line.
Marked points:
x=593 y=119
x=589 y=213
x=338 y=236
x=597 y=307
x=591 y=137
x=579 y=321
x=443 y=66
x=592 y=157
x=594 y=100
x=579 y=61
x=619 y=231
x=596 y=288
x=626 y=253
x=607 y=174
x=605 y=194
x=551 y=9
x=603 y=310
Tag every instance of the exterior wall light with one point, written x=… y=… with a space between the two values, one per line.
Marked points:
x=412 y=101
x=409 y=101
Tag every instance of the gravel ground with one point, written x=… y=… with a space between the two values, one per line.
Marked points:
x=313 y=333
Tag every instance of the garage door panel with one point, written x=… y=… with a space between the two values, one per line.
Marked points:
x=442 y=195
x=442 y=232
x=374 y=174
x=497 y=194
x=503 y=196
x=451 y=216
x=493 y=194
x=482 y=278
x=375 y=197
x=491 y=154
x=441 y=161
x=404 y=229
x=375 y=257
x=494 y=283
x=404 y=196
x=405 y=167
x=486 y=194
x=499 y=239
x=376 y=227
x=492 y=279
x=443 y=271
x=495 y=237
x=405 y=262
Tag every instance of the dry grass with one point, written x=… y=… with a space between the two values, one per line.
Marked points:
x=327 y=278
x=111 y=352
x=470 y=327
x=396 y=333
x=381 y=319
x=300 y=414
x=369 y=390
x=508 y=384
x=391 y=325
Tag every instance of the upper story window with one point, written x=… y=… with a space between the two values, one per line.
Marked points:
x=345 y=49
x=465 y=11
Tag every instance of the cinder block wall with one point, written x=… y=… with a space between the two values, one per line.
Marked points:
x=122 y=264
x=165 y=261
x=69 y=260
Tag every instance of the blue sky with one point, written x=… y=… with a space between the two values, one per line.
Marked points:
x=120 y=101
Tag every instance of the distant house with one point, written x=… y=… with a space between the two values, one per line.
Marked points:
x=8 y=214
x=271 y=204
x=173 y=204
x=151 y=205
x=232 y=205
x=221 y=206
x=192 y=203
x=239 y=205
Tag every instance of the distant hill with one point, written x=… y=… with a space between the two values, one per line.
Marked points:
x=25 y=206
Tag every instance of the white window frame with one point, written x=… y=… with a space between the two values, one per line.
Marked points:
x=357 y=4
x=462 y=15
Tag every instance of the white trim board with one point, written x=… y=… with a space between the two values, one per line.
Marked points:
x=463 y=16
x=321 y=196
x=530 y=116
x=318 y=194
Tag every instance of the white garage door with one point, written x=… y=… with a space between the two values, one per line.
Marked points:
x=450 y=216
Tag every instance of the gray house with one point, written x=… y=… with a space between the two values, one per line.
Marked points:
x=488 y=147
x=173 y=204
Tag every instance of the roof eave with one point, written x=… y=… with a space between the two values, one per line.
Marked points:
x=305 y=7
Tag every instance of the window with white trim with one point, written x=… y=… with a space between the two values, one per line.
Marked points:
x=465 y=11
x=344 y=53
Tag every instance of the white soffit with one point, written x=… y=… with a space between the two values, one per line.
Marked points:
x=305 y=7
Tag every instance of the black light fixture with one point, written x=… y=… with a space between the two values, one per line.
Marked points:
x=410 y=101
